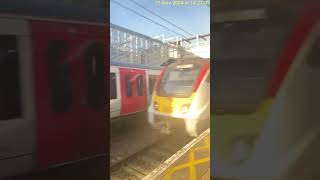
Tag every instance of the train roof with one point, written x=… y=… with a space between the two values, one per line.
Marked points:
x=53 y=10
x=137 y=66
x=193 y=61
x=188 y=61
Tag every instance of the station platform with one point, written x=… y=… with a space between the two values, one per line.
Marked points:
x=191 y=162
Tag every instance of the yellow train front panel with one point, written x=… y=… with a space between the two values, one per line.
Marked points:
x=171 y=105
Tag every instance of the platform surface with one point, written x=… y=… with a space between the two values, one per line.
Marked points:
x=192 y=162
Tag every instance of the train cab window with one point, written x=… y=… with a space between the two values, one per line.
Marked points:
x=94 y=60
x=246 y=55
x=10 y=99
x=252 y=79
x=179 y=80
x=313 y=59
x=140 y=85
x=113 y=86
x=128 y=85
x=59 y=76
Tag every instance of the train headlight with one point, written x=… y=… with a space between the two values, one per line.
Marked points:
x=241 y=149
x=156 y=106
x=185 y=108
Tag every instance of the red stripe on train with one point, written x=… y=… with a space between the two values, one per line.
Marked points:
x=299 y=35
x=201 y=76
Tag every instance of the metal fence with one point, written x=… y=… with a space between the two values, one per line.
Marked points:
x=132 y=47
x=198 y=45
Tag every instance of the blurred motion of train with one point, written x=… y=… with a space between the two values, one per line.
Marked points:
x=52 y=85
x=182 y=97
x=131 y=86
x=266 y=93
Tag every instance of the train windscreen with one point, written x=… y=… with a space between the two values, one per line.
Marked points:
x=245 y=55
x=178 y=81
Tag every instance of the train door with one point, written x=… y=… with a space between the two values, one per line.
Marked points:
x=133 y=93
x=17 y=120
x=58 y=126
x=70 y=84
x=94 y=121
x=115 y=93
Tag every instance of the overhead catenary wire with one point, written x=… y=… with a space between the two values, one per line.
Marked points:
x=123 y=6
x=160 y=17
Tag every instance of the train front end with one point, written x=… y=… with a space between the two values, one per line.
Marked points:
x=181 y=97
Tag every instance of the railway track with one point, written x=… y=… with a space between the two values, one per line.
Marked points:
x=142 y=163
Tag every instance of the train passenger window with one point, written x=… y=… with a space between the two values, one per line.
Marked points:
x=10 y=99
x=95 y=63
x=313 y=59
x=59 y=76
x=128 y=85
x=113 y=86
x=139 y=85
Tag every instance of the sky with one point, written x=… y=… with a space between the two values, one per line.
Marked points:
x=192 y=18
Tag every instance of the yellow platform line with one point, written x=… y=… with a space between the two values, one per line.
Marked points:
x=192 y=163
x=167 y=168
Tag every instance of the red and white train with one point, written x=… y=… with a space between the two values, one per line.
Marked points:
x=131 y=87
x=53 y=95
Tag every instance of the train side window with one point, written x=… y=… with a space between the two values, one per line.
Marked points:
x=95 y=63
x=59 y=76
x=139 y=85
x=113 y=86
x=151 y=84
x=128 y=85
x=208 y=78
x=10 y=99
x=313 y=59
